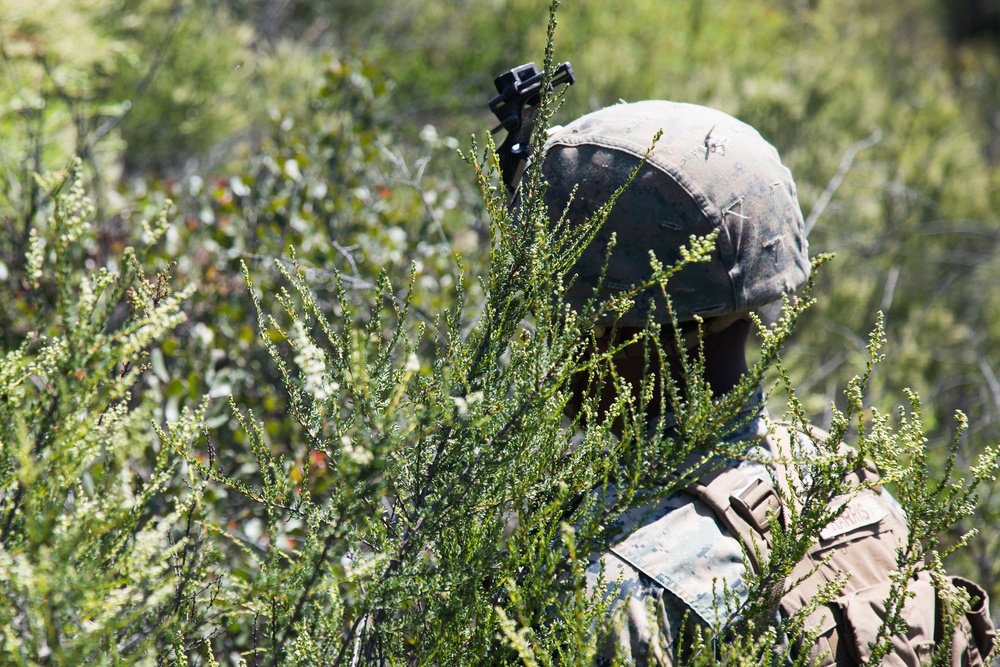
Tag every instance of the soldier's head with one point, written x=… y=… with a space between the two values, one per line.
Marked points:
x=708 y=172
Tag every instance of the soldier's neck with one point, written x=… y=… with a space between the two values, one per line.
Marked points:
x=725 y=362
x=726 y=357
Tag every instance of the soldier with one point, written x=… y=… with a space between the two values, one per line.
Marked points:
x=682 y=559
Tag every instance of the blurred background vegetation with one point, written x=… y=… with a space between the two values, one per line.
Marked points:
x=333 y=127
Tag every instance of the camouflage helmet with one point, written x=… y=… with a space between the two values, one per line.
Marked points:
x=707 y=172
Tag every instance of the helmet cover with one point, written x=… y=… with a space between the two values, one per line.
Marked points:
x=708 y=172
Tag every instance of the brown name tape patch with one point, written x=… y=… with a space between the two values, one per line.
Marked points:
x=862 y=510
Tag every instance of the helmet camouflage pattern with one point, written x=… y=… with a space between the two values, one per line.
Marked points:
x=707 y=172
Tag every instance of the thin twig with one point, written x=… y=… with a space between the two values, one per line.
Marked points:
x=991 y=380
x=838 y=178
x=354 y=282
x=413 y=180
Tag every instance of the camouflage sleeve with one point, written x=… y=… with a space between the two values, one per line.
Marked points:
x=644 y=619
x=678 y=569
x=674 y=568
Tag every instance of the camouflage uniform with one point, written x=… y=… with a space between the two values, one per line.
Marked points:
x=678 y=558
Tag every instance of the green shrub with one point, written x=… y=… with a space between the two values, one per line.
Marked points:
x=99 y=563
x=394 y=482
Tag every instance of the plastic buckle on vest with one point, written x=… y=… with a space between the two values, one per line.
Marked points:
x=756 y=503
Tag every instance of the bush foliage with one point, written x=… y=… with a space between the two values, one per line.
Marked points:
x=311 y=413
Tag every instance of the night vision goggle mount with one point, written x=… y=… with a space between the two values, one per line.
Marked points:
x=516 y=107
